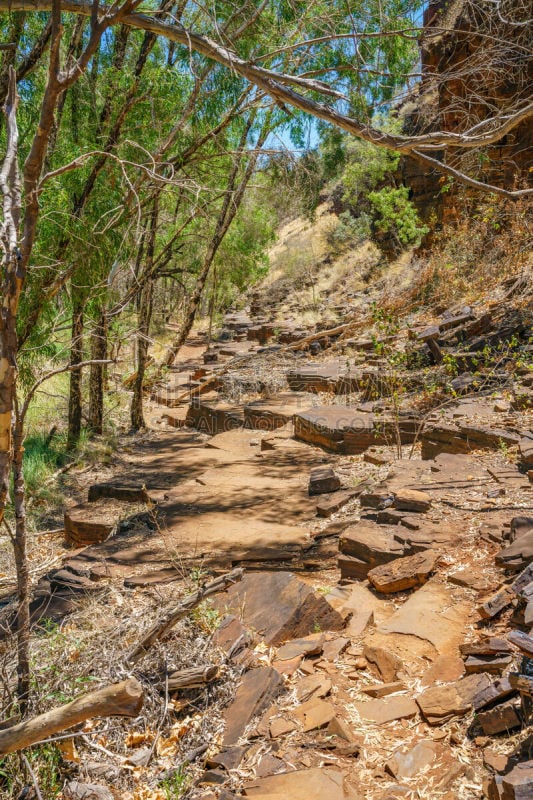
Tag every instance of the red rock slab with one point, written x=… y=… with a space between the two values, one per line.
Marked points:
x=317 y=685
x=403 y=573
x=407 y=764
x=383 y=689
x=412 y=500
x=518 y=784
x=315 y=714
x=383 y=711
x=311 y=645
x=275 y=412
x=277 y=607
x=327 y=425
x=319 y=783
x=92 y=523
x=441 y=703
x=371 y=543
x=431 y=614
x=256 y=690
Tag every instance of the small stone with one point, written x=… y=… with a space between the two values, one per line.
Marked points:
x=281 y=727
x=338 y=727
x=315 y=714
x=383 y=689
x=403 y=573
x=412 y=500
x=323 y=480
x=408 y=764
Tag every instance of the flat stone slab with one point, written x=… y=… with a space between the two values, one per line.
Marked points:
x=92 y=523
x=320 y=783
x=214 y=417
x=255 y=692
x=277 y=607
x=275 y=412
x=320 y=377
x=441 y=703
x=431 y=614
x=371 y=544
x=327 y=425
x=388 y=710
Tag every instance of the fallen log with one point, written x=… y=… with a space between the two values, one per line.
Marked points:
x=192 y=678
x=160 y=628
x=122 y=699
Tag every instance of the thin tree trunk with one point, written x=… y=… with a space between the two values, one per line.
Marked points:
x=144 y=319
x=232 y=202
x=76 y=355
x=145 y=315
x=23 y=576
x=12 y=280
x=97 y=373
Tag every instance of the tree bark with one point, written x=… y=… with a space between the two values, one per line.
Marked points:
x=144 y=319
x=97 y=373
x=192 y=678
x=123 y=699
x=21 y=564
x=76 y=355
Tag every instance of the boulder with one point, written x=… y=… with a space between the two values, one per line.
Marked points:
x=403 y=573
x=277 y=606
x=525 y=450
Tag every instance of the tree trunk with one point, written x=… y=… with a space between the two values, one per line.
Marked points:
x=76 y=355
x=144 y=318
x=23 y=577
x=145 y=315
x=97 y=375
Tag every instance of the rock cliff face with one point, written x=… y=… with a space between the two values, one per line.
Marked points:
x=477 y=64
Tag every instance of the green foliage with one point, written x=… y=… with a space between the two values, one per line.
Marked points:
x=395 y=213
x=366 y=168
x=349 y=231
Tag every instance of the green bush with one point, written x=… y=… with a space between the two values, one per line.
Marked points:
x=394 y=213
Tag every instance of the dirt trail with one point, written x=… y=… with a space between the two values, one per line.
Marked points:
x=370 y=630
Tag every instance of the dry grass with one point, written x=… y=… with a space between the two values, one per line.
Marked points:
x=88 y=651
